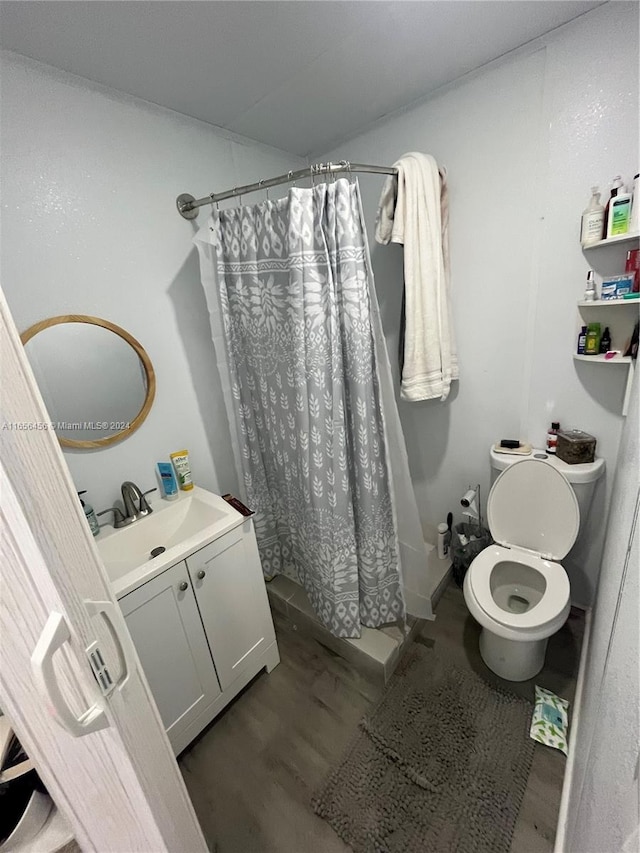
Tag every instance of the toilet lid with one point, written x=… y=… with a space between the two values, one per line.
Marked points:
x=531 y=505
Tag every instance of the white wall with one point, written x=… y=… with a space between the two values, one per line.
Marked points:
x=524 y=140
x=604 y=801
x=89 y=225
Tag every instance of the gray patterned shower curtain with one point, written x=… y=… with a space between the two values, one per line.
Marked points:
x=295 y=297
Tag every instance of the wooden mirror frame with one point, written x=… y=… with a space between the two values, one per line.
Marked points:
x=139 y=419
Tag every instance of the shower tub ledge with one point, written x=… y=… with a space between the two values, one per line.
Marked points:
x=376 y=652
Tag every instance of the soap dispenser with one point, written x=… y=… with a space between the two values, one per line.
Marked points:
x=592 y=225
x=89 y=514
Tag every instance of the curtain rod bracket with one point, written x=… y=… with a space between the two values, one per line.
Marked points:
x=184 y=203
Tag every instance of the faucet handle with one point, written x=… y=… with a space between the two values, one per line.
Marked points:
x=118 y=517
x=144 y=506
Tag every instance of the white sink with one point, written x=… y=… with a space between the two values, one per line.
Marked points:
x=180 y=527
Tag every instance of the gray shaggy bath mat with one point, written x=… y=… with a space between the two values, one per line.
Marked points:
x=440 y=765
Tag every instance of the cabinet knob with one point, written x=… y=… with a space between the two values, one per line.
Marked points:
x=201 y=574
x=183 y=586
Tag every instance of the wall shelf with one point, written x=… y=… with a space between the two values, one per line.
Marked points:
x=609 y=303
x=600 y=359
x=620 y=325
x=613 y=241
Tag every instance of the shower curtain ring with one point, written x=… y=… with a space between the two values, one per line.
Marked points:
x=348 y=165
x=290 y=177
x=217 y=203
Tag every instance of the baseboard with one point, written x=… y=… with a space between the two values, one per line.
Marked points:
x=561 y=830
x=443 y=583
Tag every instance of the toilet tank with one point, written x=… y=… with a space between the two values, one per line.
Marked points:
x=583 y=477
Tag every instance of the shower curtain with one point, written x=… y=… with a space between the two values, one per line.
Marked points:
x=298 y=338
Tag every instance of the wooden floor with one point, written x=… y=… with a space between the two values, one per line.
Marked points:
x=252 y=774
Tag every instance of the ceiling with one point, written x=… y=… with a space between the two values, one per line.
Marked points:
x=301 y=76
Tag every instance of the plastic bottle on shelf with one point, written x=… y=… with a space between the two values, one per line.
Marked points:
x=634 y=225
x=605 y=340
x=582 y=339
x=592 y=224
x=590 y=289
x=616 y=186
x=592 y=344
x=619 y=214
x=552 y=437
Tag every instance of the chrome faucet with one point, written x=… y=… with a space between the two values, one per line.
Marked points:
x=130 y=495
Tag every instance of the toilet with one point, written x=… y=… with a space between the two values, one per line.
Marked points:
x=517 y=588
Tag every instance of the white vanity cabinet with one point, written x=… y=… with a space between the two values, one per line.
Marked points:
x=202 y=629
x=165 y=625
x=233 y=603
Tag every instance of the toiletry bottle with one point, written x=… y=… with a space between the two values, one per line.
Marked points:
x=592 y=344
x=634 y=224
x=552 y=437
x=182 y=468
x=443 y=532
x=89 y=514
x=605 y=341
x=590 y=289
x=582 y=339
x=632 y=265
x=169 y=484
x=619 y=214
x=616 y=186
x=592 y=226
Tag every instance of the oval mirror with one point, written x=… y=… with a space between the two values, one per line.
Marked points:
x=96 y=380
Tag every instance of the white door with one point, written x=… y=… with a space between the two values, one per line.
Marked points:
x=230 y=591
x=163 y=619
x=118 y=784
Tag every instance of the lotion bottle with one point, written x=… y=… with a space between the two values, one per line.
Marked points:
x=616 y=186
x=592 y=227
x=619 y=214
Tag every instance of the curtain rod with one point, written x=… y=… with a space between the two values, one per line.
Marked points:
x=188 y=205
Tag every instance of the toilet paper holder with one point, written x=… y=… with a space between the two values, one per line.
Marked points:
x=472 y=508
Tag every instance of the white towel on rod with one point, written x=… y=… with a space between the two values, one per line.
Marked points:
x=414 y=210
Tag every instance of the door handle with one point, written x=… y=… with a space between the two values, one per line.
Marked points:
x=200 y=574
x=54 y=634
x=112 y=615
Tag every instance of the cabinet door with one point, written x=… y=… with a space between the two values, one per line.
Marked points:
x=230 y=591
x=164 y=622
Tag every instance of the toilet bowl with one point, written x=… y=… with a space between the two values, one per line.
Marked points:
x=517 y=589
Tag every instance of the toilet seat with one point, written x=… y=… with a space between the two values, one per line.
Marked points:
x=554 y=599
x=533 y=506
